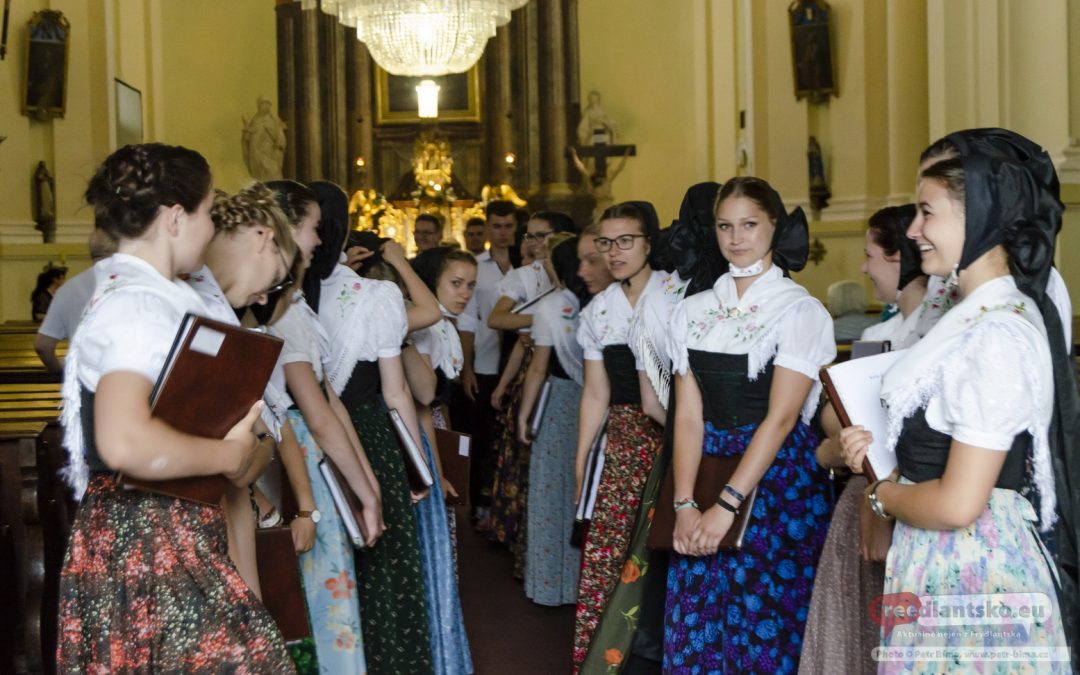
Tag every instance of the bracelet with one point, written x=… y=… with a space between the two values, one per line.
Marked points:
x=875 y=504
x=730 y=489
x=726 y=506
x=687 y=503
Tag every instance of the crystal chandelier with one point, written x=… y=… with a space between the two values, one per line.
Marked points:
x=422 y=37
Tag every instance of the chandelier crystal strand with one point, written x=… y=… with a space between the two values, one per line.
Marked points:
x=422 y=37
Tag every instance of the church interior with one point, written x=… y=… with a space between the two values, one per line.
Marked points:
x=573 y=105
x=703 y=89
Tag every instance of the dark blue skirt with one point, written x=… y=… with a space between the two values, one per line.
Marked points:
x=737 y=612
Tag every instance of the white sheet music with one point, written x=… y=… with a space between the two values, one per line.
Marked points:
x=858 y=384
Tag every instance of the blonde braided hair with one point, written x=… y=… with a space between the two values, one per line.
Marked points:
x=252 y=206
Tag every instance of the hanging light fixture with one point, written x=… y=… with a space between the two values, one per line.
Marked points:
x=422 y=37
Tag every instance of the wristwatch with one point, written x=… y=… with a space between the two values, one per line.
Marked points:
x=313 y=514
x=875 y=504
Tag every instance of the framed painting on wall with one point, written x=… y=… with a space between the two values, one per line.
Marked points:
x=45 y=81
x=129 y=121
x=395 y=97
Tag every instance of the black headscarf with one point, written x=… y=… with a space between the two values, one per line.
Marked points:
x=791 y=240
x=427 y=264
x=1011 y=198
x=899 y=218
x=333 y=229
x=691 y=245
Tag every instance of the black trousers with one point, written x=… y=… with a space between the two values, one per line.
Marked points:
x=477 y=418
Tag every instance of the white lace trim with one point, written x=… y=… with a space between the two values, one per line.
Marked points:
x=658 y=374
x=76 y=473
x=906 y=400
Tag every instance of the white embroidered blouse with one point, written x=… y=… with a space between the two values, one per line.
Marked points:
x=555 y=324
x=775 y=319
x=606 y=319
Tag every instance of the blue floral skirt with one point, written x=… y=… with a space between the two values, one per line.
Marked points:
x=736 y=612
x=329 y=573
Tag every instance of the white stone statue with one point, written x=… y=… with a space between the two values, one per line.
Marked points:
x=264 y=143
x=593 y=117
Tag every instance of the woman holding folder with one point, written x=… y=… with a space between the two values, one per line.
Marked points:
x=147 y=583
x=628 y=233
x=746 y=355
x=323 y=429
x=366 y=324
x=551 y=562
x=980 y=410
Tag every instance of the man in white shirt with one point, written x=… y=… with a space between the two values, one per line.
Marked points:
x=480 y=344
x=427 y=231
x=66 y=309
x=476 y=236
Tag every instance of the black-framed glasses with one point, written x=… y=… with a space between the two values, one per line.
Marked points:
x=287 y=281
x=625 y=242
x=537 y=236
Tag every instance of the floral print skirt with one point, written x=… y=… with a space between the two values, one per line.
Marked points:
x=394 y=619
x=634 y=441
x=329 y=574
x=509 y=493
x=551 y=563
x=744 y=611
x=147 y=585
x=1000 y=553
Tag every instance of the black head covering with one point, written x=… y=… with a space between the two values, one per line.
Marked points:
x=791 y=240
x=691 y=245
x=333 y=229
x=652 y=221
x=1011 y=198
x=910 y=258
x=371 y=242
x=427 y=264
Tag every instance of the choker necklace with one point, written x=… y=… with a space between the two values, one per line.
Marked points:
x=748 y=271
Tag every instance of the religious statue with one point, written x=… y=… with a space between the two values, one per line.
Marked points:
x=594 y=118
x=264 y=143
x=45 y=203
x=433 y=168
x=819 y=187
x=599 y=182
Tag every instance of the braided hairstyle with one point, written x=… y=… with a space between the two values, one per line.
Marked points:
x=252 y=206
x=134 y=182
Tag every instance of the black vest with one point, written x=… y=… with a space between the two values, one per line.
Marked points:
x=364 y=384
x=922 y=451
x=621 y=370
x=729 y=398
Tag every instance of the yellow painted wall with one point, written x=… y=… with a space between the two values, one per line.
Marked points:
x=656 y=65
x=200 y=66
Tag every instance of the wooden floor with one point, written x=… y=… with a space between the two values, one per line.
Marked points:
x=507 y=632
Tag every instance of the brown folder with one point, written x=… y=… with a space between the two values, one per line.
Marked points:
x=279 y=577
x=345 y=501
x=417 y=469
x=454 y=450
x=713 y=474
x=213 y=375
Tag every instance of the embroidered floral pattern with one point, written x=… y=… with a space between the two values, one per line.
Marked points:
x=345 y=297
x=699 y=328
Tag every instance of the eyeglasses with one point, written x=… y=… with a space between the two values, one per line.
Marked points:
x=425 y=233
x=287 y=281
x=537 y=236
x=624 y=242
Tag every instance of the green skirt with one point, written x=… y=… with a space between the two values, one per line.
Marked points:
x=391 y=583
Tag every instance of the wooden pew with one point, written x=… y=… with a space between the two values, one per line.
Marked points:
x=35 y=508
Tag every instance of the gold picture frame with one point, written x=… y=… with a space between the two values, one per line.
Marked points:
x=395 y=97
x=44 y=93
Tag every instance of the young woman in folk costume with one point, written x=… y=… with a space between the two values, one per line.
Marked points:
x=746 y=354
x=522 y=284
x=551 y=563
x=628 y=233
x=364 y=370
x=971 y=443
x=840 y=636
x=449 y=274
x=322 y=427
x=631 y=631
x=147 y=581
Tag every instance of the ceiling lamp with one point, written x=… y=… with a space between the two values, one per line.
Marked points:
x=422 y=37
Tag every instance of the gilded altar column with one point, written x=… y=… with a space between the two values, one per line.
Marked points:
x=553 y=98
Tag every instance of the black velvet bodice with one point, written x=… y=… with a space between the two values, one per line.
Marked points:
x=364 y=384
x=555 y=368
x=86 y=417
x=621 y=370
x=728 y=397
x=922 y=451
